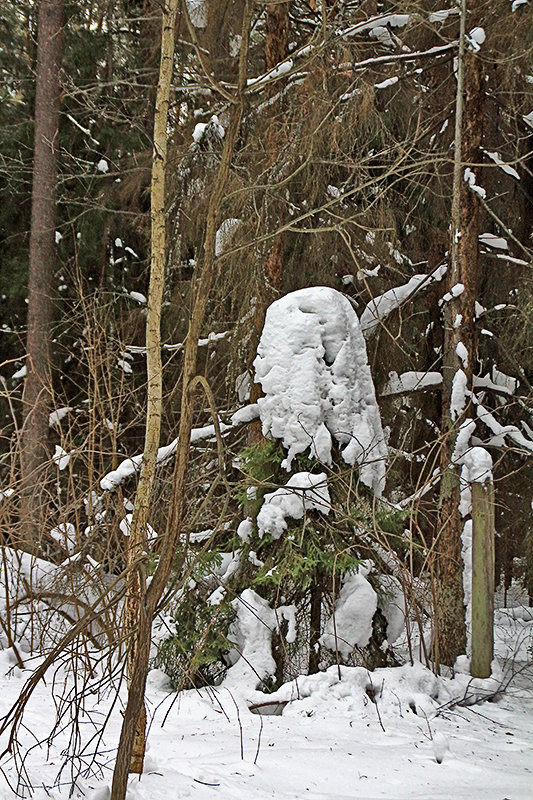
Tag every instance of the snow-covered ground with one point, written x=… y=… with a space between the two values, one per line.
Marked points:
x=367 y=735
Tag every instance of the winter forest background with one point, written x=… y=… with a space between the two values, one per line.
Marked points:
x=265 y=361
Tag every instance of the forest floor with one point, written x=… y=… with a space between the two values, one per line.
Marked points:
x=334 y=740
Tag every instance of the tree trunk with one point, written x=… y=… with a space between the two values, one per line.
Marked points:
x=459 y=329
x=173 y=534
x=42 y=261
x=276 y=50
x=138 y=544
x=482 y=579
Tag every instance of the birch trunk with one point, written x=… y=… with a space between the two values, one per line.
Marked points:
x=138 y=545
x=173 y=534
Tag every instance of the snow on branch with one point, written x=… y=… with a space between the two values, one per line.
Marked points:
x=132 y=465
x=378 y=309
x=375 y=26
x=501 y=431
x=411 y=382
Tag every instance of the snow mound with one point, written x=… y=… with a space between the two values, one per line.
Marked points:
x=252 y=631
x=351 y=624
x=397 y=691
x=312 y=365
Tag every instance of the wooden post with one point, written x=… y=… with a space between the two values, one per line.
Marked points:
x=482 y=579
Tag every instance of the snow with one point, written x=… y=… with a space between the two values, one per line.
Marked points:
x=202 y=127
x=102 y=166
x=57 y=415
x=458 y=394
x=277 y=72
x=212 y=337
x=65 y=535
x=377 y=23
x=198 y=12
x=345 y=733
x=477 y=463
x=365 y=273
x=442 y=16
x=302 y=492
x=6 y=493
x=462 y=353
x=497 y=242
x=124 y=365
x=470 y=178
x=378 y=309
x=502 y=431
x=500 y=382
x=125 y=528
x=242 y=386
x=245 y=414
x=140 y=298
x=411 y=382
x=476 y=467
x=313 y=368
x=386 y=83
x=328 y=743
x=199 y=130
x=456 y=291
x=20 y=373
x=350 y=626
x=505 y=382
x=476 y=38
x=130 y=466
x=393 y=605
x=245 y=529
x=61 y=458
x=462 y=441
x=216 y=597
x=224 y=235
x=505 y=167
x=252 y=631
x=394 y=20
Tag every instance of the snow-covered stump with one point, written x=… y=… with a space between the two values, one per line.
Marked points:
x=313 y=367
x=482 y=579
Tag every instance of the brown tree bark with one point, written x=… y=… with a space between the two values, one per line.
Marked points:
x=271 y=282
x=42 y=261
x=459 y=327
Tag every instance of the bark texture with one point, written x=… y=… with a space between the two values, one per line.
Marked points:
x=138 y=545
x=459 y=327
x=271 y=281
x=482 y=579
x=42 y=261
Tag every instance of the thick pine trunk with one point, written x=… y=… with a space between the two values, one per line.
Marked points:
x=459 y=327
x=42 y=261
